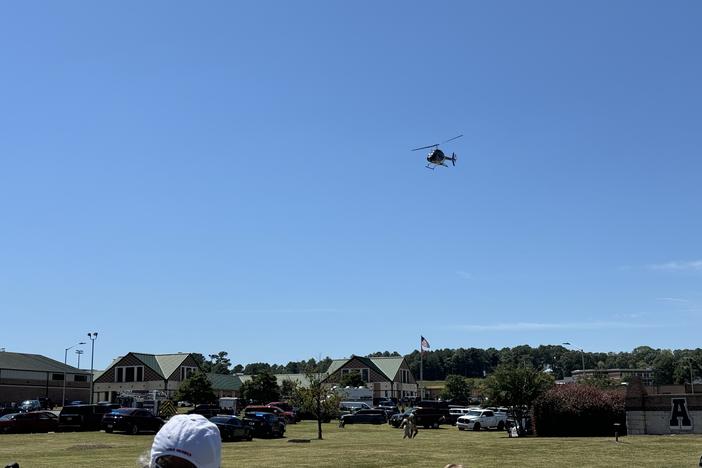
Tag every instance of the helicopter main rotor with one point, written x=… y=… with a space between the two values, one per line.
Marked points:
x=437 y=144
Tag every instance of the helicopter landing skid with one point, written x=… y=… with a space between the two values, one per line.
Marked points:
x=428 y=166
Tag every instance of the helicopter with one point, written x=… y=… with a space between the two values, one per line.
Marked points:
x=437 y=157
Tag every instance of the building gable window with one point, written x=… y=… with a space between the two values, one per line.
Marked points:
x=80 y=378
x=186 y=371
x=365 y=375
x=129 y=374
x=57 y=376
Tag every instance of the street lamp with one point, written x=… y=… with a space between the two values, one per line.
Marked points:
x=79 y=352
x=65 y=361
x=582 y=352
x=93 y=337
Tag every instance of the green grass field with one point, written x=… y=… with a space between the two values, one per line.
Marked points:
x=366 y=446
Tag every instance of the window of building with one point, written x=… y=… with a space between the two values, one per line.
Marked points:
x=129 y=374
x=80 y=378
x=186 y=372
x=365 y=375
x=57 y=376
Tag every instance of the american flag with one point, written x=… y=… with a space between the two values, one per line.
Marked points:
x=424 y=344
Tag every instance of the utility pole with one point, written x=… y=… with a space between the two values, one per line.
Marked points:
x=79 y=352
x=93 y=337
x=65 y=361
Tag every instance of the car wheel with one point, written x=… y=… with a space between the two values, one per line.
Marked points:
x=435 y=426
x=134 y=430
x=476 y=427
x=501 y=426
x=249 y=437
x=461 y=428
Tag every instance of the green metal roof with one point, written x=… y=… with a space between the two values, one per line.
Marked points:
x=336 y=365
x=299 y=379
x=35 y=362
x=149 y=360
x=388 y=365
x=170 y=362
x=224 y=381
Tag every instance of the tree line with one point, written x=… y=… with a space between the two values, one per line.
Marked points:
x=670 y=366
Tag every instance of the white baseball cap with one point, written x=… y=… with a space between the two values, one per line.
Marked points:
x=190 y=437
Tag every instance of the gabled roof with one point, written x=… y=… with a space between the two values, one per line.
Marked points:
x=386 y=366
x=389 y=365
x=163 y=364
x=35 y=362
x=224 y=381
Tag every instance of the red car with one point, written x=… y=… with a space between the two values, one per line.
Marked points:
x=287 y=407
x=34 y=421
x=288 y=416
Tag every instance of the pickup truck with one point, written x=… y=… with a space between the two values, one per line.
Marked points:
x=477 y=419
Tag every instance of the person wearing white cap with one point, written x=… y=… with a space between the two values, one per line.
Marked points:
x=186 y=441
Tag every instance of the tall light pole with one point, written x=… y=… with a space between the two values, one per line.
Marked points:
x=582 y=352
x=65 y=361
x=93 y=337
x=79 y=352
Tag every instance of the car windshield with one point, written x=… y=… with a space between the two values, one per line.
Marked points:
x=122 y=411
x=473 y=413
x=219 y=419
x=27 y=402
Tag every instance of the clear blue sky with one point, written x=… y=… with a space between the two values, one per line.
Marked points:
x=236 y=176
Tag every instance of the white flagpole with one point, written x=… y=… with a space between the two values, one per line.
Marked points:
x=421 y=370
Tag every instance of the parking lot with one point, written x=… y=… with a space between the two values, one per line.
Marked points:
x=367 y=446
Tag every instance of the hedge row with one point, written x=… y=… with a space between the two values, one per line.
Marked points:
x=579 y=410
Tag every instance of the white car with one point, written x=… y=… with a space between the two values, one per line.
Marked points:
x=477 y=419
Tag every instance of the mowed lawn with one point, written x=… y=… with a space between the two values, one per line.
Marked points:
x=366 y=446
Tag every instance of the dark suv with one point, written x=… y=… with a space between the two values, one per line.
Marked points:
x=208 y=410
x=430 y=417
x=131 y=420
x=265 y=424
x=83 y=417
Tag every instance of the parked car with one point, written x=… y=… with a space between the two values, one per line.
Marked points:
x=83 y=417
x=30 y=405
x=11 y=409
x=232 y=428
x=430 y=417
x=347 y=407
x=477 y=419
x=389 y=408
x=207 y=410
x=396 y=419
x=33 y=421
x=46 y=403
x=288 y=408
x=288 y=415
x=131 y=420
x=456 y=412
x=364 y=416
x=265 y=424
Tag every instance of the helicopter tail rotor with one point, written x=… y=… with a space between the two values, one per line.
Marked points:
x=453 y=159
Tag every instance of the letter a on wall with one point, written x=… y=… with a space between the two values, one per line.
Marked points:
x=679 y=416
